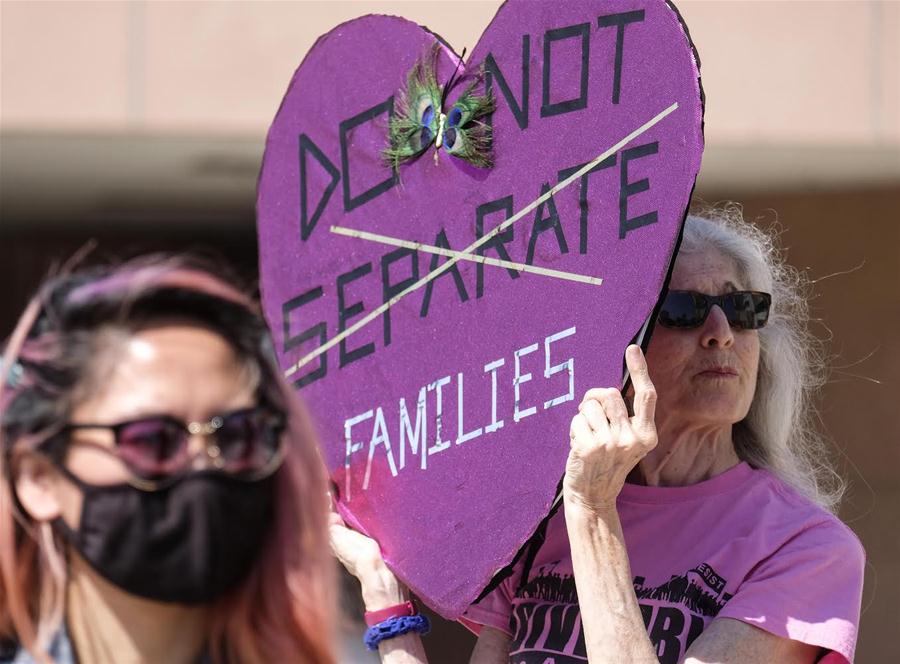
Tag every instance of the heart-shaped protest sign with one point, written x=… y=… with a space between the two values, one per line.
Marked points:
x=443 y=305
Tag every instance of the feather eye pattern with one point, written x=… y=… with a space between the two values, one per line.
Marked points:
x=415 y=121
x=466 y=136
x=420 y=122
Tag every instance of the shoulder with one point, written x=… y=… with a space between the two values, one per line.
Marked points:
x=807 y=524
x=807 y=584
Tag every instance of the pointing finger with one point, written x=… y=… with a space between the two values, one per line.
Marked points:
x=644 y=392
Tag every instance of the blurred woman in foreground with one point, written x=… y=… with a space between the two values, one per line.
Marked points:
x=161 y=496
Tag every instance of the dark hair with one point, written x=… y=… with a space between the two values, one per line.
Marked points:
x=61 y=344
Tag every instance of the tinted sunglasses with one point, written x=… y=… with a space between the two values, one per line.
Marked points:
x=246 y=443
x=747 y=310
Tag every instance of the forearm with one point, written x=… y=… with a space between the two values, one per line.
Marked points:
x=380 y=590
x=611 y=618
x=404 y=649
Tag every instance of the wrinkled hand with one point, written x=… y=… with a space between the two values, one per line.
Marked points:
x=606 y=442
x=361 y=556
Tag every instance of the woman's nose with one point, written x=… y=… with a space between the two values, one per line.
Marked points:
x=204 y=452
x=716 y=331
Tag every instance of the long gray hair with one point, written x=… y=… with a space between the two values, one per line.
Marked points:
x=780 y=432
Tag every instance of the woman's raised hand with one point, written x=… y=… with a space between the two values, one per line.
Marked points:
x=607 y=443
x=361 y=556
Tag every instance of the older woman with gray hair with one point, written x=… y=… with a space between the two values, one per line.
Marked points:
x=697 y=522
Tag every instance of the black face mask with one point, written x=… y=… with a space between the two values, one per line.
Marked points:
x=187 y=543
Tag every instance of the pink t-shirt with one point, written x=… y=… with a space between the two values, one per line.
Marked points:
x=742 y=545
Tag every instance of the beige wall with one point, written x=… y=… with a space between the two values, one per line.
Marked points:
x=804 y=72
x=799 y=95
x=849 y=244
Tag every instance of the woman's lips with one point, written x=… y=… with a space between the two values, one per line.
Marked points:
x=718 y=372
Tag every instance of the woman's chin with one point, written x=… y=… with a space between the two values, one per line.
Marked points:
x=712 y=408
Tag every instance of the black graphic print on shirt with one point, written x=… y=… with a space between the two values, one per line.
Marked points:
x=546 y=623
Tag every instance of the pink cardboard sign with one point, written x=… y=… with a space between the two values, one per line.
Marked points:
x=443 y=306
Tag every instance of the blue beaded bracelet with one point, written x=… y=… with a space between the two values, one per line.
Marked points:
x=396 y=626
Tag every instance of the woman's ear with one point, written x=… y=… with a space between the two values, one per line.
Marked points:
x=37 y=487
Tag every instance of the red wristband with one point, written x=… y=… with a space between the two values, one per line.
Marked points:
x=396 y=611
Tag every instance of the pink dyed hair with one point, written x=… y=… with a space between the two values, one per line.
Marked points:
x=285 y=609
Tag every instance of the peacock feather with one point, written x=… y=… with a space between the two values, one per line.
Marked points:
x=419 y=121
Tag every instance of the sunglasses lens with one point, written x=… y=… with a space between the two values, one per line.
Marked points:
x=747 y=310
x=762 y=303
x=152 y=448
x=681 y=309
x=249 y=440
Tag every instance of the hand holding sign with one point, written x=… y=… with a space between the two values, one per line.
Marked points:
x=607 y=443
x=362 y=558
x=439 y=316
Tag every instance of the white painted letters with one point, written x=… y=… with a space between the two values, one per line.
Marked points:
x=418 y=435
x=351 y=447
x=439 y=444
x=413 y=430
x=492 y=367
x=517 y=382
x=461 y=435
x=568 y=365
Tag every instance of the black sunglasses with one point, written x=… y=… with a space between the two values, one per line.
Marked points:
x=747 y=310
x=246 y=443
